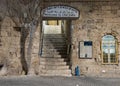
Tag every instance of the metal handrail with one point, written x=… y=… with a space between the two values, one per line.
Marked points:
x=68 y=48
x=41 y=43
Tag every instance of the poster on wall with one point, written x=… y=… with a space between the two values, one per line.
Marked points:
x=85 y=49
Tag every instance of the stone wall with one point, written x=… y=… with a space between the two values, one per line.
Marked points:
x=9 y=49
x=96 y=20
x=13 y=59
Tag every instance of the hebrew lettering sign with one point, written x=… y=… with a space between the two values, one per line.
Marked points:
x=60 y=12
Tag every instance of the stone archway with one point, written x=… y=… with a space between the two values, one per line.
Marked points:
x=56 y=39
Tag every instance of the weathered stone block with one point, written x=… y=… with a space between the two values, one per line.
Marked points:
x=106 y=7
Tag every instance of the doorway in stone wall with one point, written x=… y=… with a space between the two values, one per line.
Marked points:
x=55 y=48
x=56 y=40
x=56 y=37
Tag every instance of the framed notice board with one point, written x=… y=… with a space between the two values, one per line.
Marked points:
x=85 y=49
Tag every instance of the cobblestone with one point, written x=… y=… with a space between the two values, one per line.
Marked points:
x=58 y=81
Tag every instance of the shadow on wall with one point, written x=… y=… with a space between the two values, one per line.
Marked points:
x=3 y=64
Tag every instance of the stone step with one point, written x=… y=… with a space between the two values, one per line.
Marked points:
x=54 y=56
x=53 y=35
x=53 y=63
x=58 y=44
x=55 y=53
x=54 y=59
x=55 y=45
x=53 y=42
x=66 y=75
x=54 y=50
x=54 y=39
x=56 y=72
x=54 y=67
x=48 y=53
x=49 y=40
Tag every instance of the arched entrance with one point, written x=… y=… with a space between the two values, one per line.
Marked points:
x=56 y=25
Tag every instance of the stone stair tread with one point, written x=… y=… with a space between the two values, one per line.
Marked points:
x=54 y=53
x=53 y=63
x=59 y=44
x=54 y=56
x=53 y=43
x=54 y=67
x=54 y=40
x=67 y=75
x=48 y=57
x=54 y=35
x=53 y=59
x=51 y=47
x=56 y=71
x=56 y=48
x=61 y=49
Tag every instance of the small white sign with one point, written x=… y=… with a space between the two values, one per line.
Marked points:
x=85 y=49
x=60 y=12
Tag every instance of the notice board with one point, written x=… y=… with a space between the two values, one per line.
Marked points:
x=85 y=49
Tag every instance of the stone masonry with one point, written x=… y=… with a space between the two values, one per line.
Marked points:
x=96 y=19
x=9 y=49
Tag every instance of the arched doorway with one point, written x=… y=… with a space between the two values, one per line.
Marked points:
x=56 y=25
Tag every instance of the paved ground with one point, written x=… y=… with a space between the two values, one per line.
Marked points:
x=58 y=81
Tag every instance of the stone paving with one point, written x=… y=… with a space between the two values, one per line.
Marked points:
x=58 y=81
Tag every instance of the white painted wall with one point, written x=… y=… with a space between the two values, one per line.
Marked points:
x=51 y=29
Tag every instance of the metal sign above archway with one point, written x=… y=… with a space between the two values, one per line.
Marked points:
x=60 y=11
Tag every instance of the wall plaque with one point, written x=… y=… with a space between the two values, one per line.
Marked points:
x=85 y=49
x=60 y=11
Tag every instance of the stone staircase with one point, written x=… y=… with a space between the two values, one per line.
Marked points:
x=54 y=61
